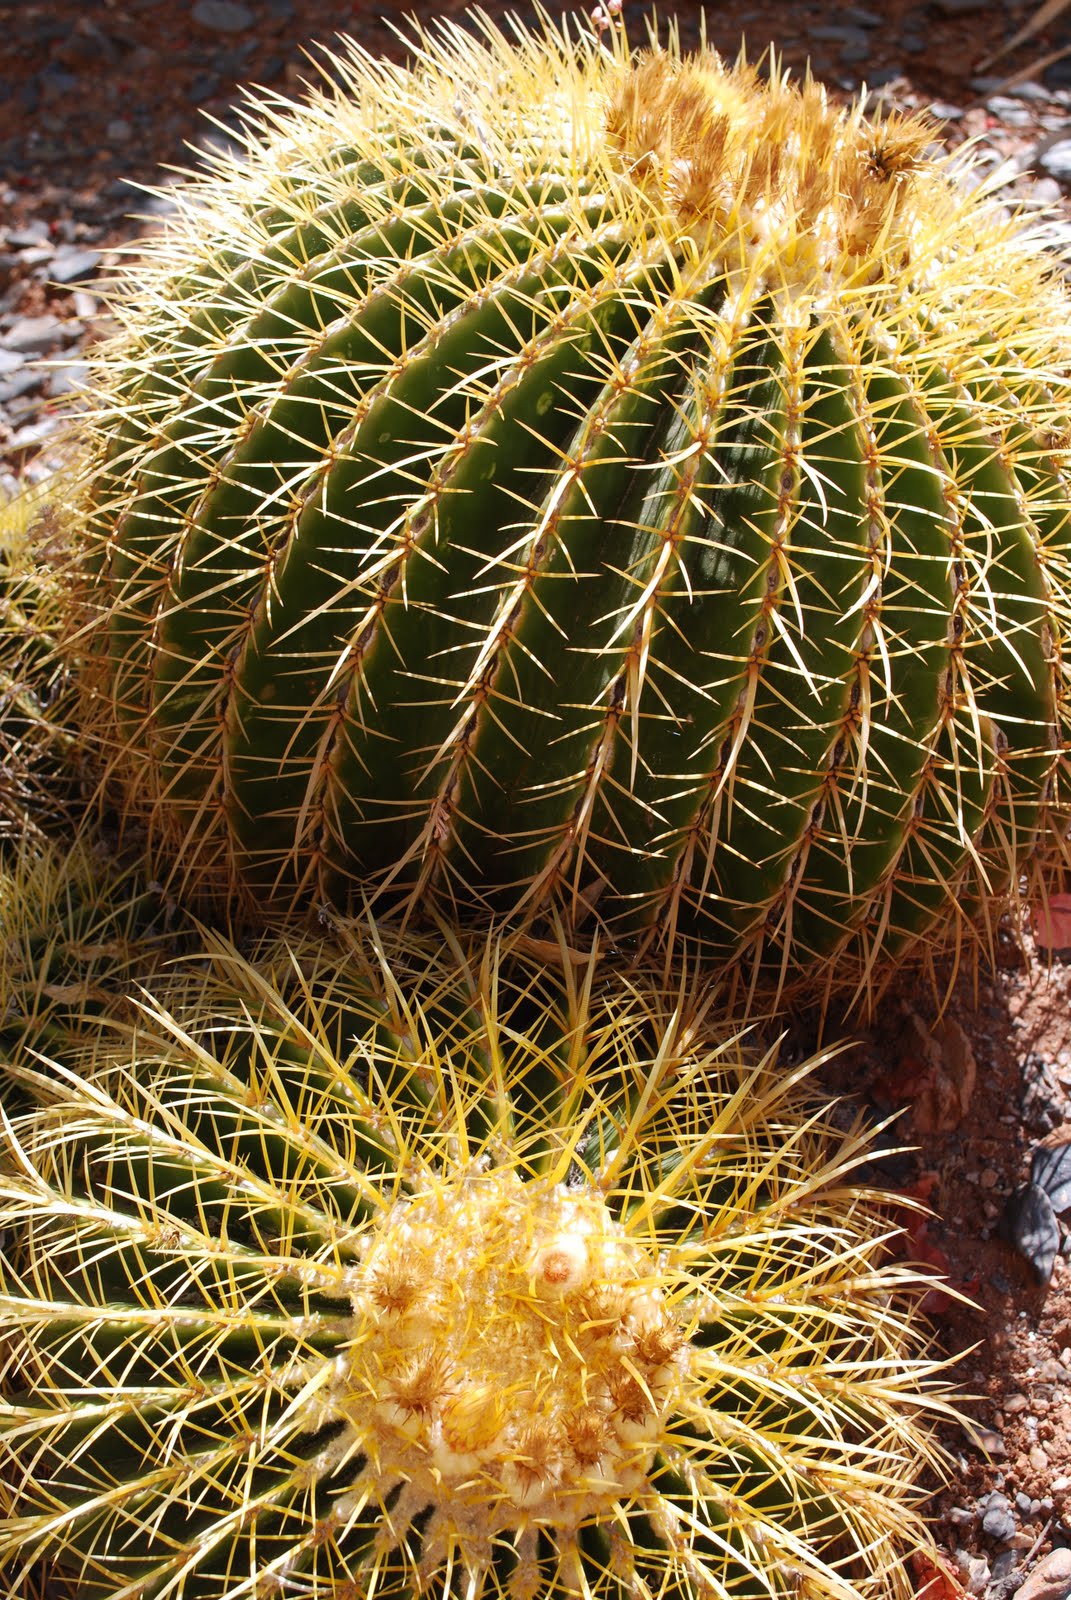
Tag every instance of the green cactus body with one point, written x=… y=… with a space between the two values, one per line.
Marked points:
x=411 y=1268
x=38 y=703
x=629 y=488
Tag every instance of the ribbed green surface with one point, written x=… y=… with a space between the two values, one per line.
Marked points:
x=472 y=540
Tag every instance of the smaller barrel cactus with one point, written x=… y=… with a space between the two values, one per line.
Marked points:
x=38 y=779
x=78 y=932
x=567 y=481
x=428 y=1269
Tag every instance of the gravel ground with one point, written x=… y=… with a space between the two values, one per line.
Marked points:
x=100 y=96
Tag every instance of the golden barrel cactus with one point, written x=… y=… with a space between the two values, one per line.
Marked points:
x=548 y=478
x=421 y=1268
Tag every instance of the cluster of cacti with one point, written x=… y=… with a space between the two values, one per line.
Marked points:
x=546 y=477
x=555 y=484
x=414 y=1268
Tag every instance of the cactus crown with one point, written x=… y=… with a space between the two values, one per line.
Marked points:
x=767 y=170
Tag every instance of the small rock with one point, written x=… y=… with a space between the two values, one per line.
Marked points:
x=1010 y=112
x=33 y=255
x=1050 y=1579
x=1057 y=76
x=1056 y=161
x=975 y=1570
x=1046 y=191
x=945 y=1099
x=118 y=131
x=1015 y=1403
x=10 y=361
x=56 y=84
x=1038 y=1459
x=1005 y=1564
x=989 y=1441
x=37 y=433
x=881 y=77
x=838 y=33
x=205 y=86
x=1023 y=1502
x=1029 y=1223
x=1050 y=1169
x=971 y=1570
x=1030 y=90
x=32 y=336
x=35 y=232
x=71 y=378
x=998 y=1522
x=989 y=1178
x=222 y=16
x=71 y=265
x=25 y=381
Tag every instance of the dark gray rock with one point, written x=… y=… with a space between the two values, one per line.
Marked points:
x=1050 y=1169
x=205 y=86
x=998 y=1521
x=1042 y=1098
x=1058 y=75
x=839 y=33
x=881 y=76
x=222 y=16
x=57 y=84
x=1029 y=1223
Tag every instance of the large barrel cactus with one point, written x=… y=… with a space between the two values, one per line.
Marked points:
x=415 y=1269
x=544 y=476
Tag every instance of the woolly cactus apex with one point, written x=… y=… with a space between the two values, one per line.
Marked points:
x=422 y=1270
x=551 y=479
